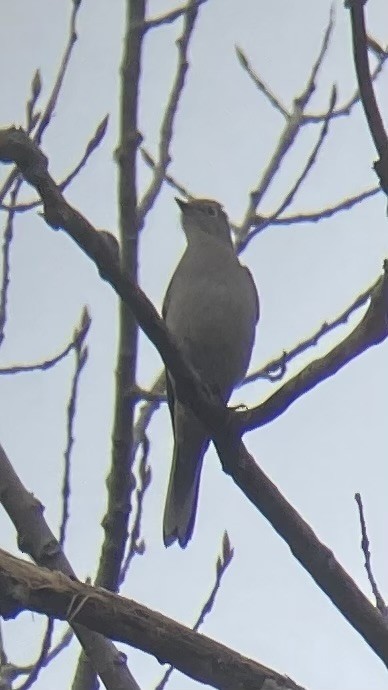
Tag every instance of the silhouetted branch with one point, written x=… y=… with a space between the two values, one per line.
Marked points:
x=369 y=103
x=380 y=603
x=346 y=108
x=41 y=662
x=46 y=115
x=78 y=335
x=136 y=546
x=222 y=565
x=372 y=329
x=81 y=355
x=25 y=586
x=287 y=201
x=91 y=146
x=263 y=88
x=171 y=16
x=36 y=539
x=182 y=191
x=166 y=129
x=316 y=216
x=276 y=368
x=293 y=125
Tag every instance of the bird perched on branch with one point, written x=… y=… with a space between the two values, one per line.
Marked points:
x=211 y=308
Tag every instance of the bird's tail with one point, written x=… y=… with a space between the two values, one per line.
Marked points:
x=182 y=494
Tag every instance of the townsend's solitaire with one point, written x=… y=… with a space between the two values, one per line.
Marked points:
x=211 y=308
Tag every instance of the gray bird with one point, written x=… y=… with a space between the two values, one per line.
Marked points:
x=211 y=307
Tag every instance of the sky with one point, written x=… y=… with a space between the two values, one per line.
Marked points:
x=328 y=445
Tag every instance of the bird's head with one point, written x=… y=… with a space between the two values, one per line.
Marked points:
x=204 y=215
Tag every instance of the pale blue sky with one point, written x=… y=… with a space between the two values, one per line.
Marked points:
x=327 y=446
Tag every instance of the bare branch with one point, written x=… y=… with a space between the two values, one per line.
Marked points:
x=81 y=354
x=372 y=329
x=372 y=113
x=166 y=130
x=158 y=389
x=6 y=255
x=380 y=603
x=168 y=178
x=300 y=179
x=223 y=562
x=346 y=108
x=42 y=659
x=121 y=481
x=45 y=117
x=316 y=216
x=263 y=88
x=78 y=335
x=36 y=539
x=25 y=586
x=289 y=134
x=276 y=368
x=136 y=546
x=171 y=16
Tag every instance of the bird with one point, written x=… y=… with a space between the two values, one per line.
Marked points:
x=211 y=308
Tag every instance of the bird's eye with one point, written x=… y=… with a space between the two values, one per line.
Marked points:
x=212 y=211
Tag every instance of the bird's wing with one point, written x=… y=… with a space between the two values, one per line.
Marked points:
x=254 y=291
x=169 y=385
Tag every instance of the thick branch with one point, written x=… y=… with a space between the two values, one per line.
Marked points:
x=36 y=539
x=25 y=586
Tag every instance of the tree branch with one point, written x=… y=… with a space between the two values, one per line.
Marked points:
x=25 y=586
x=368 y=99
x=36 y=539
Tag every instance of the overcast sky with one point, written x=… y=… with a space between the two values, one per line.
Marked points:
x=328 y=445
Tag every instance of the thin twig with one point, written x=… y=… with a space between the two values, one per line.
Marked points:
x=41 y=661
x=380 y=603
x=316 y=216
x=368 y=99
x=222 y=564
x=136 y=547
x=182 y=191
x=301 y=177
x=171 y=16
x=287 y=138
x=79 y=334
x=6 y=255
x=81 y=354
x=166 y=129
x=45 y=117
x=147 y=411
x=91 y=146
x=345 y=109
x=276 y=368
x=263 y=88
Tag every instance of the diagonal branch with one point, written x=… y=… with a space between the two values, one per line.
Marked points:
x=25 y=586
x=36 y=539
x=372 y=329
x=171 y=16
x=287 y=201
x=316 y=216
x=276 y=368
x=293 y=125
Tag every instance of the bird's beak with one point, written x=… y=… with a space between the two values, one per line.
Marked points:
x=182 y=204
